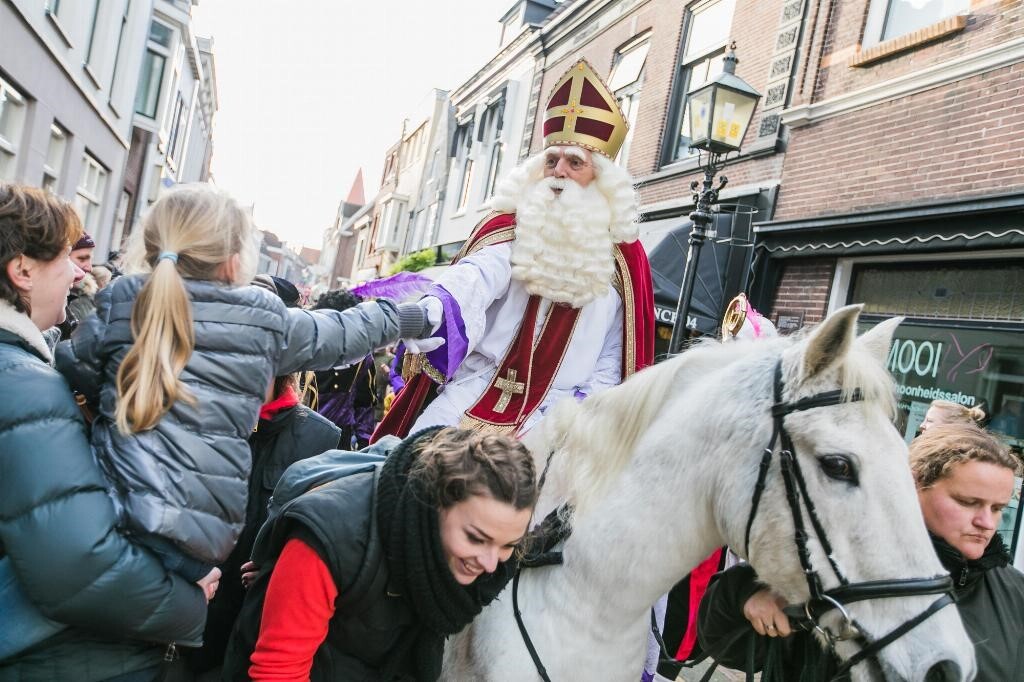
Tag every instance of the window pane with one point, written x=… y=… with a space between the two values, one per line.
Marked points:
x=55 y=149
x=494 y=170
x=905 y=16
x=699 y=74
x=467 y=180
x=709 y=29
x=12 y=114
x=627 y=67
x=148 y=96
x=160 y=34
x=6 y=165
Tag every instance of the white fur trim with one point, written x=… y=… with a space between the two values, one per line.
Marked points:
x=21 y=325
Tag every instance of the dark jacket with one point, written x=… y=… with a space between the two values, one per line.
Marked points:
x=186 y=479
x=287 y=437
x=990 y=599
x=338 y=520
x=58 y=527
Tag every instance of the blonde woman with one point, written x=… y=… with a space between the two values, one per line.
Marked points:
x=942 y=412
x=178 y=360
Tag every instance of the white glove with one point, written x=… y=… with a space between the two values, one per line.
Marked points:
x=417 y=346
x=434 y=312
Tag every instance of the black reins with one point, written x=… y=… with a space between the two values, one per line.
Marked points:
x=822 y=601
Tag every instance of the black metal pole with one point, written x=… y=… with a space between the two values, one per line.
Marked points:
x=702 y=219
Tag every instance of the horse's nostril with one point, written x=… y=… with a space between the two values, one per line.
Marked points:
x=943 y=671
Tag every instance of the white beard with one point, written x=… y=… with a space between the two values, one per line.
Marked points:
x=563 y=246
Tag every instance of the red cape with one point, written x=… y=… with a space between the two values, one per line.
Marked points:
x=632 y=269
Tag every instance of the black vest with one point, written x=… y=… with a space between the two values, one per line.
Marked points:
x=339 y=521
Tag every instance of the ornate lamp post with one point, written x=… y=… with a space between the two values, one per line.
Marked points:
x=720 y=112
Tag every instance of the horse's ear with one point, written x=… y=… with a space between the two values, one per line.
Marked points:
x=831 y=341
x=878 y=339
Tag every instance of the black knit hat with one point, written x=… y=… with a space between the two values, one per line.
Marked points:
x=288 y=292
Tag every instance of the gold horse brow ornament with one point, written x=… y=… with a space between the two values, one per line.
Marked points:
x=582 y=111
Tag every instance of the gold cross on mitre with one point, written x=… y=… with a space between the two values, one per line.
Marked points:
x=508 y=386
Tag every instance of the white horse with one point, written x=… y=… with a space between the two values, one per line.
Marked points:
x=661 y=470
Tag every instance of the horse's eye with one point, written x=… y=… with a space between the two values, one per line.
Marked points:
x=839 y=467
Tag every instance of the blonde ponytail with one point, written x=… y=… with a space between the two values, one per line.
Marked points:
x=147 y=380
x=191 y=232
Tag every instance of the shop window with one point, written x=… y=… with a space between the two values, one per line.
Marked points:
x=963 y=342
x=707 y=32
x=978 y=291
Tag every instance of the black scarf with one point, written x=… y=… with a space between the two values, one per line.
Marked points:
x=409 y=529
x=965 y=572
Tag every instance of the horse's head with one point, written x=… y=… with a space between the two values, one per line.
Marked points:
x=851 y=464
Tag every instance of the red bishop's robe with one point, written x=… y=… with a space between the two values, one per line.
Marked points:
x=529 y=361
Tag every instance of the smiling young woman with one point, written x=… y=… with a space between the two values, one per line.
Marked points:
x=376 y=568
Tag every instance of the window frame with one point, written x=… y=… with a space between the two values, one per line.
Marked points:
x=631 y=90
x=92 y=195
x=10 y=144
x=52 y=174
x=878 y=17
x=157 y=49
x=678 y=102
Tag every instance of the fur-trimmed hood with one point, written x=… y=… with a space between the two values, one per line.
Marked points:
x=21 y=325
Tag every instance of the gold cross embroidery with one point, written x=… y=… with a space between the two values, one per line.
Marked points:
x=508 y=387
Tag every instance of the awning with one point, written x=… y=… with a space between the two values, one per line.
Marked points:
x=721 y=267
x=985 y=223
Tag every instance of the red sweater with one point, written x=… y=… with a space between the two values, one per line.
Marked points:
x=298 y=606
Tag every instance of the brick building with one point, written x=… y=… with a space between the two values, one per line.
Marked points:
x=651 y=54
x=903 y=189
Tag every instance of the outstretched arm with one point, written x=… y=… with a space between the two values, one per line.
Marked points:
x=465 y=291
x=321 y=339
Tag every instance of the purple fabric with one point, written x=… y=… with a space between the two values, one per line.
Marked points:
x=395 y=379
x=398 y=286
x=338 y=407
x=364 y=423
x=448 y=357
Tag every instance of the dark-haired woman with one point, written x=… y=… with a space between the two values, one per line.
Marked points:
x=58 y=528
x=374 y=569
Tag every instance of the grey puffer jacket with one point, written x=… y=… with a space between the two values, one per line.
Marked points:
x=58 y=529
x=186 y=479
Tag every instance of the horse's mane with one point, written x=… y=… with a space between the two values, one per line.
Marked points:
x=596 y=438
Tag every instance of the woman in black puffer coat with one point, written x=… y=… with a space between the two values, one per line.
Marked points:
x=964 y=477
x=58 y=529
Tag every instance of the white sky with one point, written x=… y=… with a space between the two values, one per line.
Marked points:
x=312 y=90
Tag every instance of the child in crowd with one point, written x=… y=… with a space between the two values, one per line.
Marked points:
x=177 y=361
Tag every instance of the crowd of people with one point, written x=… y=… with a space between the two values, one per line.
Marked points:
x=204 y=478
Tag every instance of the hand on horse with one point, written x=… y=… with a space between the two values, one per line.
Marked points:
x=764 y=611
x=250 y=571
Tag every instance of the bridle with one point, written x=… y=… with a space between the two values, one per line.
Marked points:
x=553 y=530
x=822 y=601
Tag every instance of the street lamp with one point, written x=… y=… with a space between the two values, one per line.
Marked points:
x=720 y=113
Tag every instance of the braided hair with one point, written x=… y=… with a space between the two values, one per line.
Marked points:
x=457 y=464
